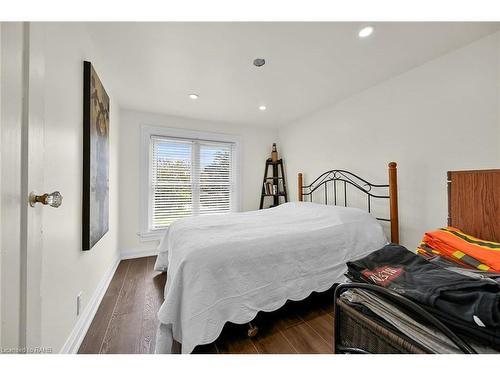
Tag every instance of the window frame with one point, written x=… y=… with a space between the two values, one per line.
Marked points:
x=145 y=175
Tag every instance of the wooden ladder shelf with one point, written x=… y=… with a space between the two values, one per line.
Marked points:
x=277 y=183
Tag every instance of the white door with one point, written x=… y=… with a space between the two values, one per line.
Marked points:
x=22 y=137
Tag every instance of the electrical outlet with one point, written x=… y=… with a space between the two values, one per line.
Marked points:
x=79 y=303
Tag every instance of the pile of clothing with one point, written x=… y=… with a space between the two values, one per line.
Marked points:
x=468 y=302
x=456 y=246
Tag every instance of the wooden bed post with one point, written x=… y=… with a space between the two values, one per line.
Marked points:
x=299 y=186
x=393 y=201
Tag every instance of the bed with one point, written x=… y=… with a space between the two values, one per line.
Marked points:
x=227 y=268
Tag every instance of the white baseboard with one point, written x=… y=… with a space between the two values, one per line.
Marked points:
x=82 y=325
x=138 y=253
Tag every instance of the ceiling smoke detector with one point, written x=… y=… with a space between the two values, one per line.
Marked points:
x=259 y=62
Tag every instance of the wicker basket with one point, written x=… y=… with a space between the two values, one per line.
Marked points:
x=360 y=331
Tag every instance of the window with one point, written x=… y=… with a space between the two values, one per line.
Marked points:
x=189 y=174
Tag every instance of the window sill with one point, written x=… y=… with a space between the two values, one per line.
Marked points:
x=156 y=235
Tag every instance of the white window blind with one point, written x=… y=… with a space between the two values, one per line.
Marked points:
x=189 y=177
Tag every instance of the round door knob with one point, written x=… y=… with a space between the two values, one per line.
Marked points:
x=53 y=199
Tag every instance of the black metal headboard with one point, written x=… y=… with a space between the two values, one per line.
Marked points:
x=331 y=180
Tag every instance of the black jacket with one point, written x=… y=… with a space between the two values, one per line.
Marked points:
x=475 y=301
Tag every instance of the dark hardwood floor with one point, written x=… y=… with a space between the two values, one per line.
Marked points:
x=126 y=320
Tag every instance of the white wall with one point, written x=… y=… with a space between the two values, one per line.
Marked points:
x=498 y=93
x=66 y=269
x=256 y=147
x=437 y=117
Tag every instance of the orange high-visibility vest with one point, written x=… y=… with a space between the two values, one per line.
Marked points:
x=453 y=243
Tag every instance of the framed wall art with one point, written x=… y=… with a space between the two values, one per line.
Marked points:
x=95 y=158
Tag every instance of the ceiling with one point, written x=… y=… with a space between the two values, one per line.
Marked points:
x=154 y=66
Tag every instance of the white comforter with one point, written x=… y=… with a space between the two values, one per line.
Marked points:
x=229 y=267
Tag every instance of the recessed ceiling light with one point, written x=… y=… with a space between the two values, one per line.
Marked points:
x=193 y=96
x=366 y=31
x=262 y=107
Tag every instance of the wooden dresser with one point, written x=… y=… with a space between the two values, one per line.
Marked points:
x=474 y=202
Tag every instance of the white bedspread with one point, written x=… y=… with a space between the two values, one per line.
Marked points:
x=229 y=267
